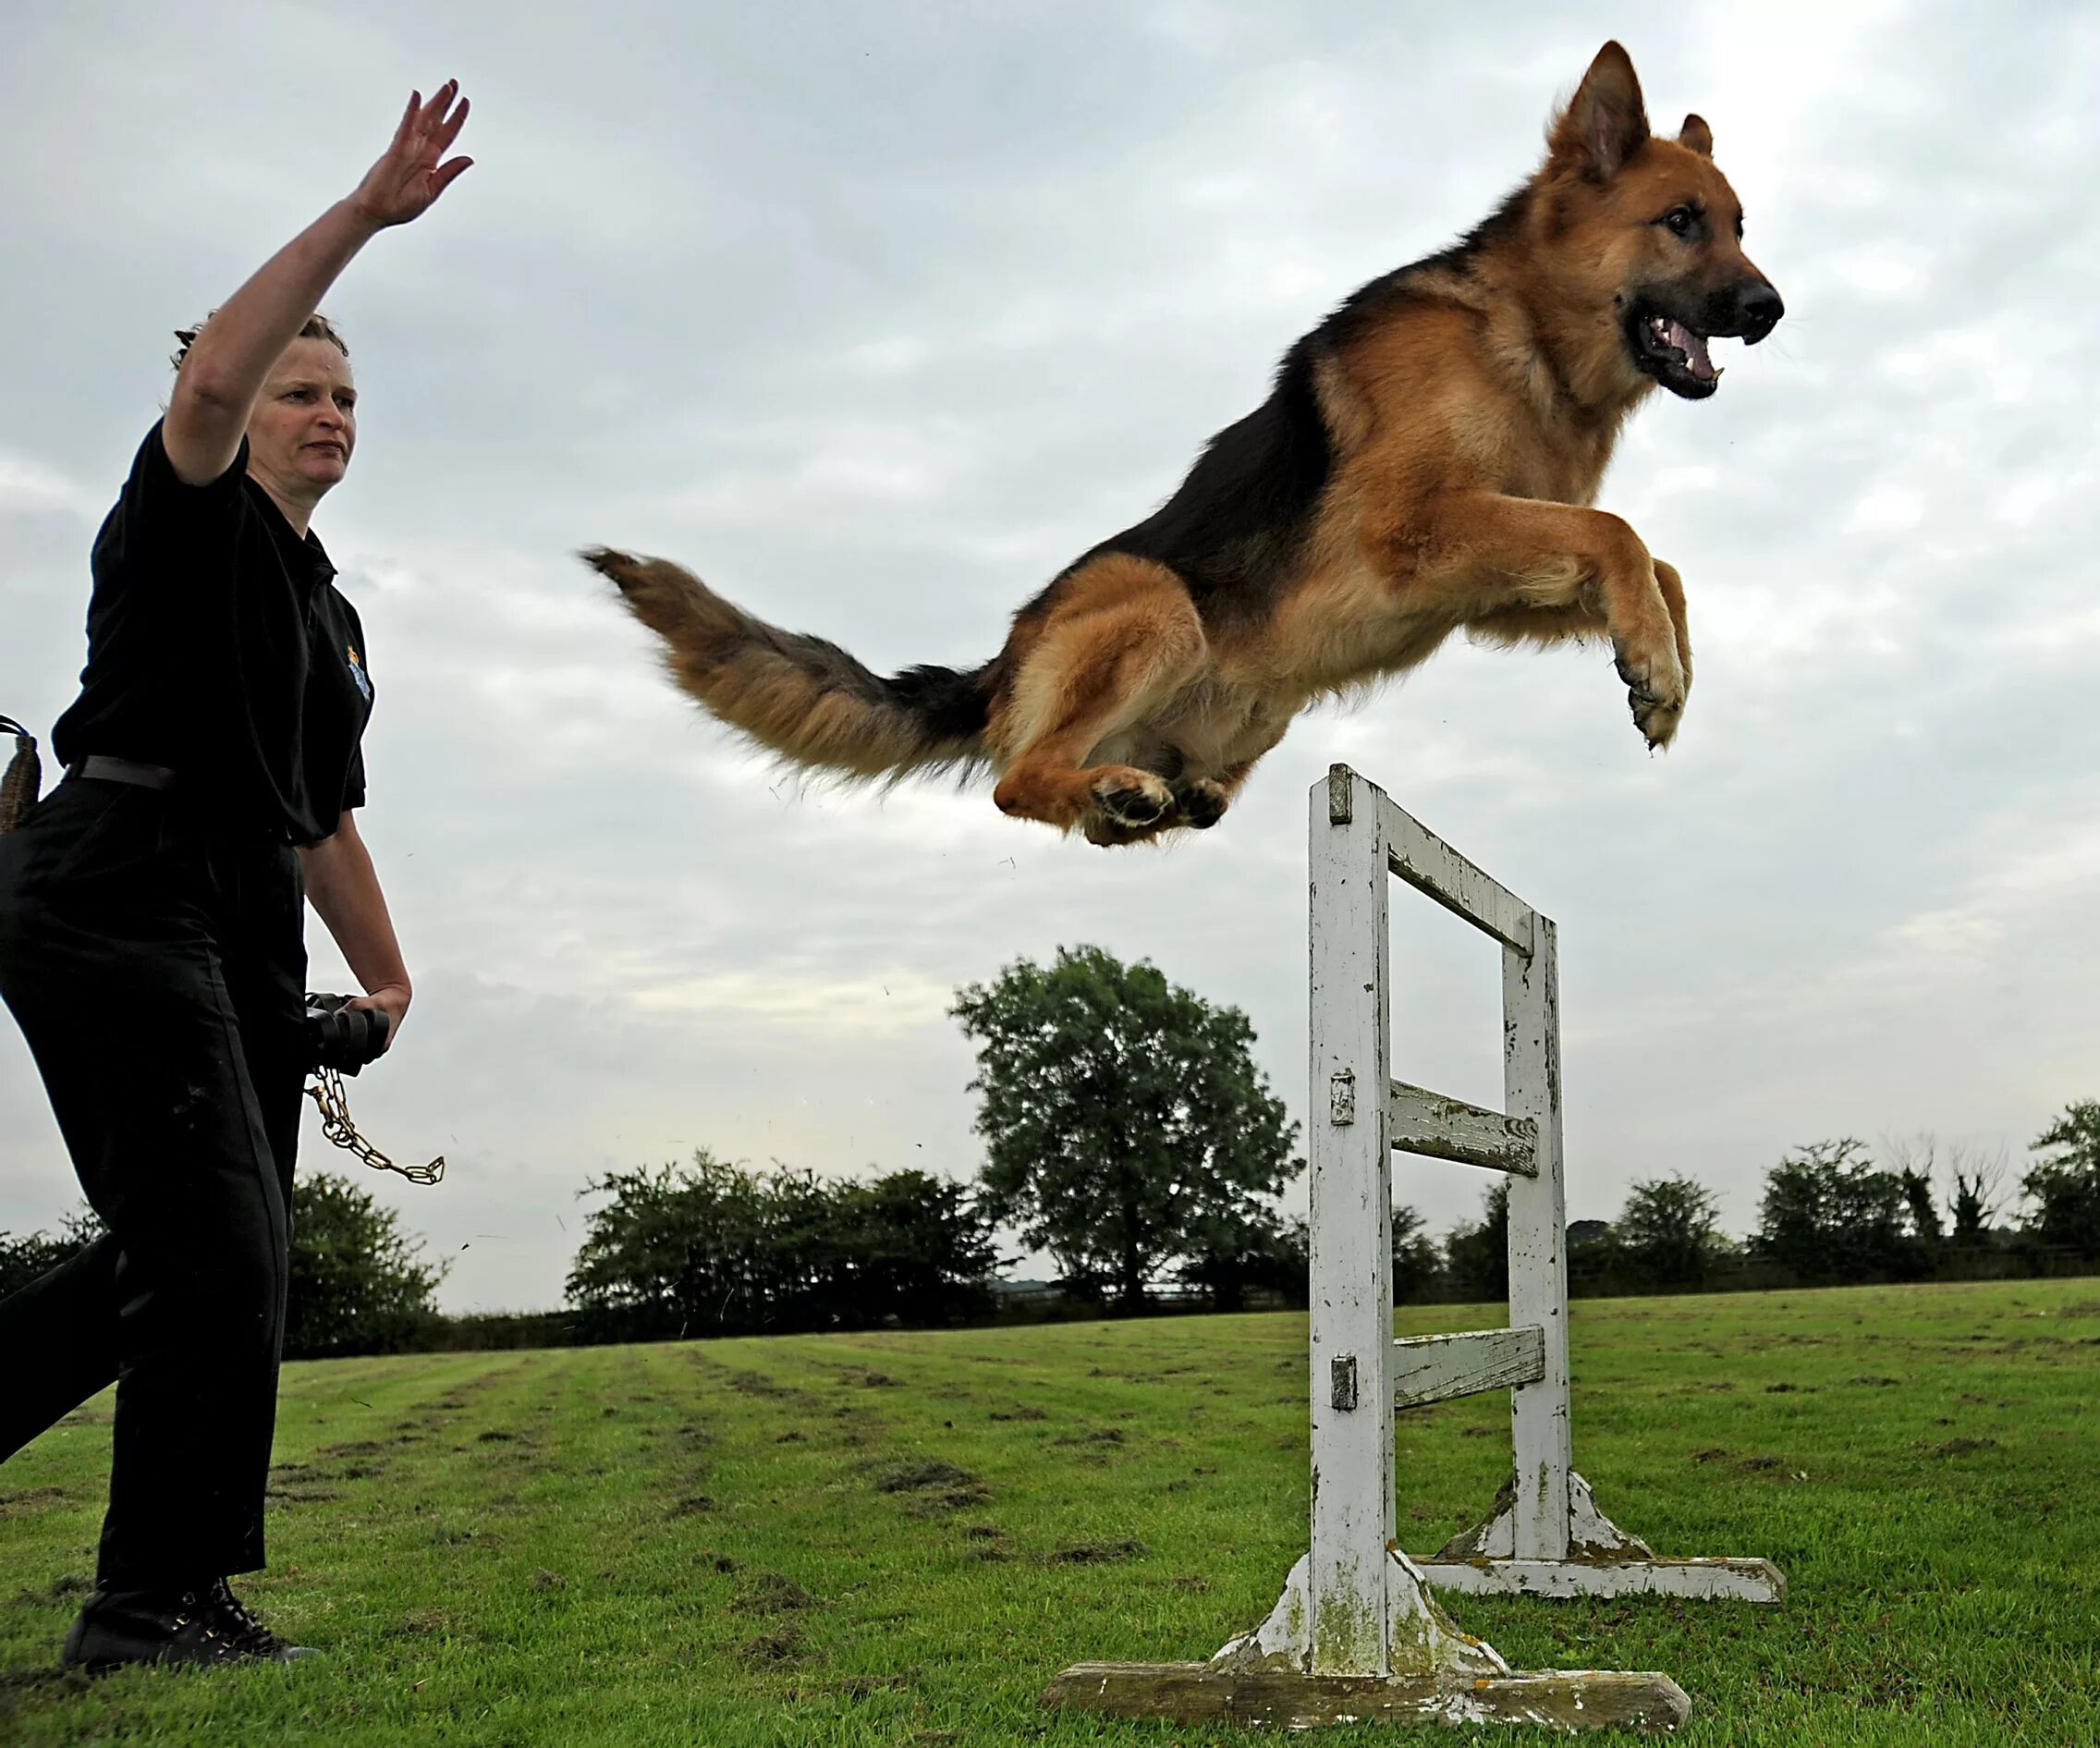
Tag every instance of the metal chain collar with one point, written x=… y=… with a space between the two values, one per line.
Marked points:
x=334 y=1108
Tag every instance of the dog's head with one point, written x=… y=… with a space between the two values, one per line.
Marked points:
x=1648 y=233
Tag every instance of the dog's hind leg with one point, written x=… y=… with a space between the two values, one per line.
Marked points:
x=1119 y=641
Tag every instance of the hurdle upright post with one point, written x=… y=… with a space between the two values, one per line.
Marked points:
x=1539 y=1411
x=1354 y=1515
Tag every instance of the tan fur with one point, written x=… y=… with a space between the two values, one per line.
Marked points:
x=1469 y=428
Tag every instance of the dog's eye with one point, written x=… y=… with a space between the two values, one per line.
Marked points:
x=1680 y=219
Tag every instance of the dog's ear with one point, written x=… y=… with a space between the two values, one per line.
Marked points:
x=1696 y=135
x=1606 y=122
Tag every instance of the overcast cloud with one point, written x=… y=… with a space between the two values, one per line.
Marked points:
x=875 y=316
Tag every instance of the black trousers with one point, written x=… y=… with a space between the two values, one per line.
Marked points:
x=156 y=966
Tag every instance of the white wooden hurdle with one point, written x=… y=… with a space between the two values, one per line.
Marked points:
x=1357 y=1634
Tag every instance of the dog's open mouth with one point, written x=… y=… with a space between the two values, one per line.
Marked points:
x=1675 y=355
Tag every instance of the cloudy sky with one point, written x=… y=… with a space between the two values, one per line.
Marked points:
x=876 y=315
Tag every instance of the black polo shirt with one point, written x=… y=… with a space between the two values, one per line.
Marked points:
x=218 y=646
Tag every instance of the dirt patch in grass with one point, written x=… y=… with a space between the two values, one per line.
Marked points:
x=29 y=1500
x=68 y=1587
x=1098 y=1553
x=774 y=1593
x=693 y=1506
x=496 y=1435
x=785 y=1644
x=930 y=1486
x=461 y=1538
x=1745 y=1465
x=1017 y=1413
x=1962 y=1447
x=758 y=1384
x=866 y=1686
x=1104 y=1436
x=276 y=1499
x=17 y=1685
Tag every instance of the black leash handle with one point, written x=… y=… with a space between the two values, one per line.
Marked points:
x=19 y=787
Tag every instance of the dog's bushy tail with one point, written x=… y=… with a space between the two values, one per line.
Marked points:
x=799 y=696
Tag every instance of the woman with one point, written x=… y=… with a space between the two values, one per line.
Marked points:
x=151 y=931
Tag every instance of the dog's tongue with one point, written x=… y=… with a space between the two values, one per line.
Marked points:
x=1694 y=346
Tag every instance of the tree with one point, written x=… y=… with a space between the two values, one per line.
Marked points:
x=2066 y=1185
x=672 y=1252
x=1123 y=1117
x=1477 y=1256
x=1978 y=1183
x=1233 y=1253
x=1670 y=1231
x=1417 y=1268
x=1830 y=1214
x=1916 y=1164
x=357 y=1284
x=711 y=1248
x=916 y=1249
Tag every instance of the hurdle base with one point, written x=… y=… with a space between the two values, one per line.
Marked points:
x=1602 y=1560
x=1290 y=1699
x=1709 y=1579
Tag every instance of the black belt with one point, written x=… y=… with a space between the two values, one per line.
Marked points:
x=101 y=767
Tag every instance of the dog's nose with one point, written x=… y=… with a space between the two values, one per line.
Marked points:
x=1760 y=309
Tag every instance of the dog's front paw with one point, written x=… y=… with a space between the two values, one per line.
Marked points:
x=1134 y=800
x=1656 y=683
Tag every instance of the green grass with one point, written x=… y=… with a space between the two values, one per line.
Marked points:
x=900 y=1538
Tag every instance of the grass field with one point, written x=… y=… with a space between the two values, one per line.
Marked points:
x=900 y=1538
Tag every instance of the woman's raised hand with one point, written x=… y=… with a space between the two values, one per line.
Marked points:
x=414 y=171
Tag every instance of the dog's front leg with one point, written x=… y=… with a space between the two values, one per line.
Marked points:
x=1672 y=586
x=1475 y=554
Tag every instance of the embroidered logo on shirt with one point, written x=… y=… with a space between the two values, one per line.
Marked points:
x=358 y=674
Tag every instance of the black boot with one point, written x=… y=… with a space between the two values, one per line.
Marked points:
x=208 y=1626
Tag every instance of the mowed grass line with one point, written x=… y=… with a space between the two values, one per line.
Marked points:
x=900 y=1538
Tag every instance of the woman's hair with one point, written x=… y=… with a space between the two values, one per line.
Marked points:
x=318 y=327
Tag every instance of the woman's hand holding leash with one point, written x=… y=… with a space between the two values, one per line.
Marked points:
x=391 y=999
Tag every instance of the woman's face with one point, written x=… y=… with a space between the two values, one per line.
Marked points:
x=304 y=425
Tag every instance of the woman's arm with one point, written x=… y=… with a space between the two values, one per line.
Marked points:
x=226 y=367
x=343 y=887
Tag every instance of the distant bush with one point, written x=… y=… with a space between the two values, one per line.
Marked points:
x=358 y=1283
x=711 y=1248
x=23 y=1259
x=1830 y=1214
x=2066 y=1185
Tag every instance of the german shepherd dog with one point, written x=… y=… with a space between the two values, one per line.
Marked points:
x=1426 y=465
